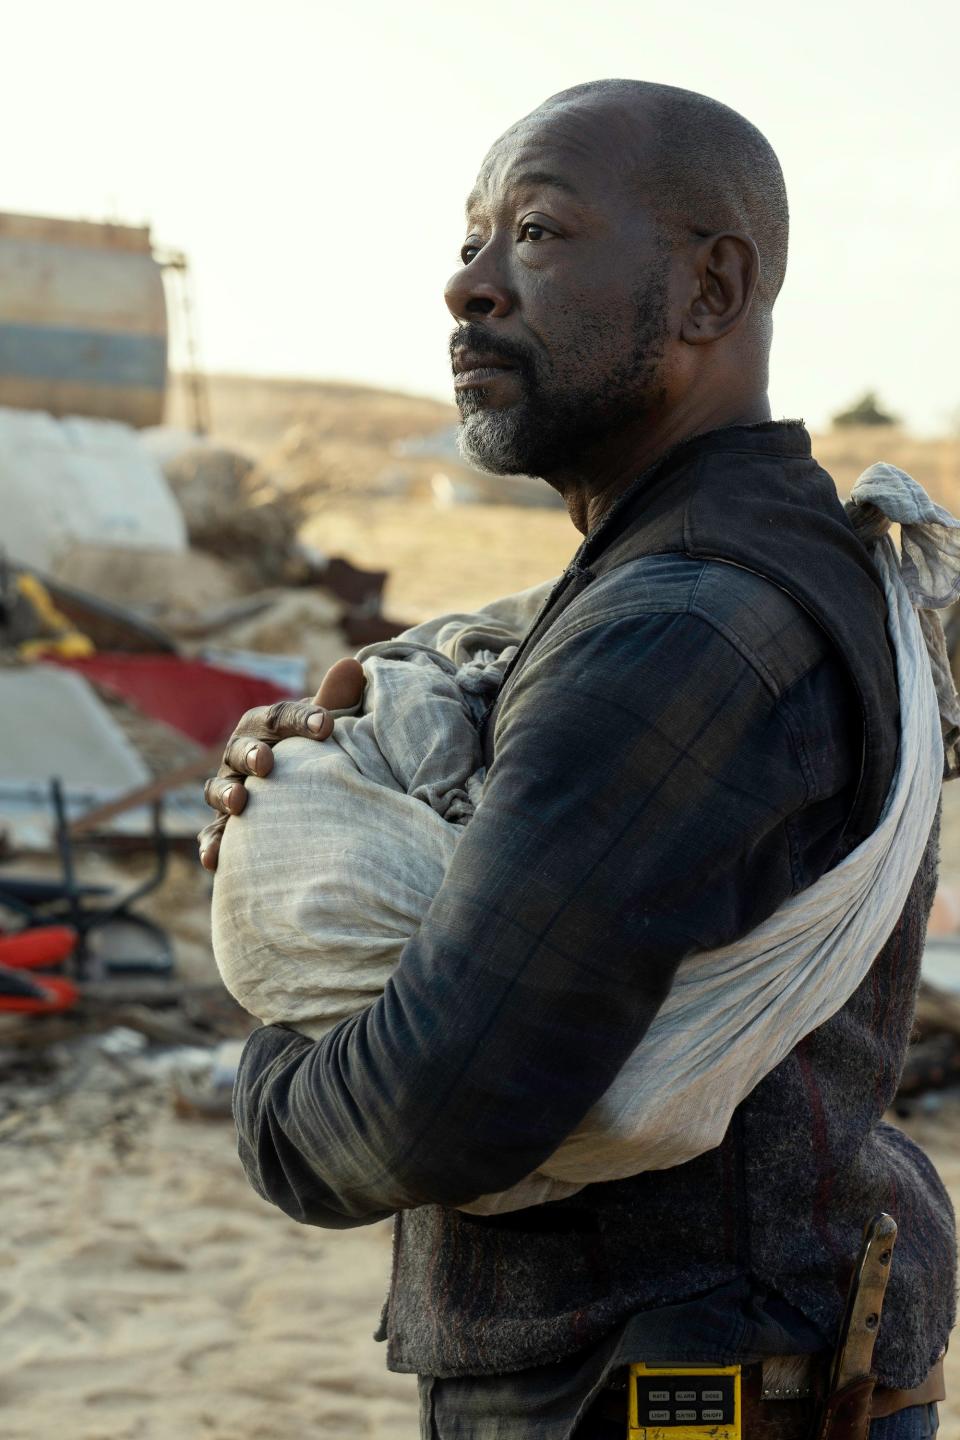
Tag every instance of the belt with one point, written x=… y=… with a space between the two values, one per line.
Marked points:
x=780 y=1397
x=795 y=1377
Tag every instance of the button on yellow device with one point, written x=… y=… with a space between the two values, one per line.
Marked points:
x=680 y=1402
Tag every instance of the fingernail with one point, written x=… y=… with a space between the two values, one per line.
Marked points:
x=253 y=756
x=315 y=721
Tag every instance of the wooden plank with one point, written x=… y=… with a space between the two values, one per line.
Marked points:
x=146 y=794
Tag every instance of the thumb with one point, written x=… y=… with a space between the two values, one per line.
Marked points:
x=342 y=686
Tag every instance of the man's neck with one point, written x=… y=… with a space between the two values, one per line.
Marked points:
x=608 y=468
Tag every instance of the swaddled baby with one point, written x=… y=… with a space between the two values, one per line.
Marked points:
x=333 y=865
x=341 y=851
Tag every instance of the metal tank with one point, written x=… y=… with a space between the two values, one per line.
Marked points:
x=83 y=319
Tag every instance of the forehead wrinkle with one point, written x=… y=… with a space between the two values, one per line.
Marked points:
x=537 y=178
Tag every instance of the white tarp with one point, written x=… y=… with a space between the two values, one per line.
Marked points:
x=56 y=725
x=79 y=480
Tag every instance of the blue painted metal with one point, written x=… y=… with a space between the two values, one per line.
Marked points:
x=99 y=358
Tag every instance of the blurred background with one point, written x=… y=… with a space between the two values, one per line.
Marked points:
x=227 y=458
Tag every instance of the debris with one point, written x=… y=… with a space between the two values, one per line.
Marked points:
x=933 y=1059
x=208 y=622
x=157 y=1026
x=360 y=590
x=941 y=969
x=931 y=1064
x=22 y=994
x=287 y=672
x=37 y=627
x=122 y=1040
x=207 y=1093
x=64 y=729
x=109 y=626
x=298 y=622
x=64 y=482
x=233 y=511
x=97 y=818
x=161 y=748
x=200 y=700
x=109 y=937
x=153 y=583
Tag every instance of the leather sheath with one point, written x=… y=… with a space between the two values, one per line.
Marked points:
x=847 y=1412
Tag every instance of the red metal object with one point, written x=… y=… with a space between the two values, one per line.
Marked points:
x=40 y=995
x=197 y=699
x=44 y=947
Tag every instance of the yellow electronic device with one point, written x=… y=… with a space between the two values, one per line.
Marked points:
x=684 y=1402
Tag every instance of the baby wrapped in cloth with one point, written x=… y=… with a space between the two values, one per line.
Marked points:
x=335 y=862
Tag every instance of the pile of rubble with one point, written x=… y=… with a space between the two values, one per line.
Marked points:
x=165 y=575
x=154 y=588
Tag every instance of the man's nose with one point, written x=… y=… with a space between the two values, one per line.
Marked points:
x=473 y=291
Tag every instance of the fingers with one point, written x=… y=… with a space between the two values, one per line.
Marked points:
x=249 y=750
x=244 y=756
x=296 y=717
x=342 y=686
x=209 y=843
x=225 y=793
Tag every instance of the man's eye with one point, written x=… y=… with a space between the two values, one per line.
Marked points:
x=533 y=232
x=469 y=252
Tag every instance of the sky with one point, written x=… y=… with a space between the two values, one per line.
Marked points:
x=312 y=160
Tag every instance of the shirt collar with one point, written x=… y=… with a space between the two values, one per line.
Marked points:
x=787 y=438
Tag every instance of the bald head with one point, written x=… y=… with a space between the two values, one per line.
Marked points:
x=624 y=245
x=700 y=166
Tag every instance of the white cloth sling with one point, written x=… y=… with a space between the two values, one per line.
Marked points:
x=335 y=863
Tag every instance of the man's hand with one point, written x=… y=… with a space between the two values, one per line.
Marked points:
x=250 y=748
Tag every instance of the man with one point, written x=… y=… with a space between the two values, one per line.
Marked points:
x=702 y=721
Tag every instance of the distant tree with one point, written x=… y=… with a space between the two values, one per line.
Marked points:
x=865 y=411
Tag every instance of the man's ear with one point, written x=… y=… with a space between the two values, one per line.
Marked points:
x=726 y=271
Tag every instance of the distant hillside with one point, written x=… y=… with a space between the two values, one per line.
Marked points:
x=320 y=436
x=255 y=414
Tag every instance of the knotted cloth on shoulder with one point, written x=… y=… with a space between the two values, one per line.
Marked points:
x=929 y=570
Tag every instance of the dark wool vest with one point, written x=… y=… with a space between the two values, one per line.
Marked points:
x=807 y=1158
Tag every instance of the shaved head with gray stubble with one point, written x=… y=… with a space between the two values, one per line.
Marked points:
x=712 y=170
x=670 y=215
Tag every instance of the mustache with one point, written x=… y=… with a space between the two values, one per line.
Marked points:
x=477 y=337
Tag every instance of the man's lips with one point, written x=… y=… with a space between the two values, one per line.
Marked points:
x=470 y=368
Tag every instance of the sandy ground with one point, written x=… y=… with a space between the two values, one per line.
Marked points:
x=444 y=560
x=145 y=1292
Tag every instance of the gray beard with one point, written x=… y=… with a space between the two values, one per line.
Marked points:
x=541 y=435
x=548 y=430
x=490 y=440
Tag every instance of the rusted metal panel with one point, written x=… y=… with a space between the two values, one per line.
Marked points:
x=83 y=323
x=139 y=406
x=95 y=234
